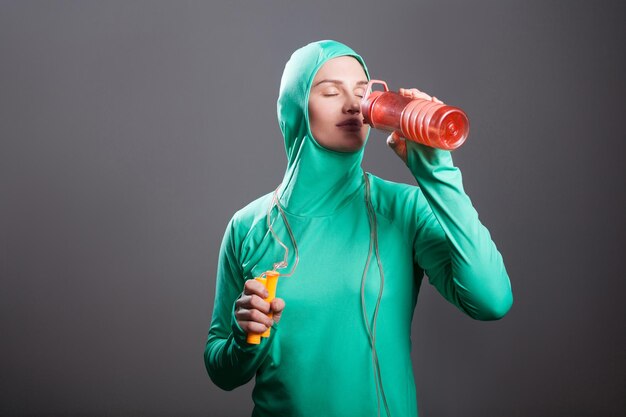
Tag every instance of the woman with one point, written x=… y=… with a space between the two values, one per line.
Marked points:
x=358 y=247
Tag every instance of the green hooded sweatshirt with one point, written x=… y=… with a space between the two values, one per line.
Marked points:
x=319 y=359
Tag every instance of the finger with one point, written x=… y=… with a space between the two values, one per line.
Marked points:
x=415 y=93
x=398 y=144
x=408 y=92
x=405 y=92
x=259 y=303
x=252 y=327
x=253 y=301
x=277 y=305
x=394 y=139
x=400 y=150
x=253 y=315
x=253 y=286
x=242 y=302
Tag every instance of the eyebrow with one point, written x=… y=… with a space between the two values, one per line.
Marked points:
x=337 y=82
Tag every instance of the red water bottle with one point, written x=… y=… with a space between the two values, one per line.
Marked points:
x=423 y=121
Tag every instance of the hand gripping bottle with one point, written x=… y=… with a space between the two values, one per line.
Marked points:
x=269 y=282
x=423 y=121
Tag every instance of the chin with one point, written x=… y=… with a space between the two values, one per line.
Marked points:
x=347 y=143
x=353 y=147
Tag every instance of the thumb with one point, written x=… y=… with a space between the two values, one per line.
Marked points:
x=398 y=144
x=277 y=306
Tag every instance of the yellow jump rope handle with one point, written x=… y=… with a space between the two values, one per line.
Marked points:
x=269 y=282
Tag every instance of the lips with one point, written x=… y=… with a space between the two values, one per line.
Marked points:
x=352 y=122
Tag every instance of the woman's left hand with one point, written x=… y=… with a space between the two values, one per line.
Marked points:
x=395 y=141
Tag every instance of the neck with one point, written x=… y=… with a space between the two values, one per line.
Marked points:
x=319 y=181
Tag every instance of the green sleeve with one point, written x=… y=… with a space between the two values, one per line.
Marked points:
x=451 y=245
x=229 y=359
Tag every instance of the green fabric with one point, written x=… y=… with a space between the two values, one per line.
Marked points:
x=318 y=359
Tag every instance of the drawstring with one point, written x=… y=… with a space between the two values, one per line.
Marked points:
x=371 y=216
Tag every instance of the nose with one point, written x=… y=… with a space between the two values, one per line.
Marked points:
x=353 y=105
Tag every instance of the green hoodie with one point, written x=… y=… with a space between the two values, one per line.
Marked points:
x=318 y=360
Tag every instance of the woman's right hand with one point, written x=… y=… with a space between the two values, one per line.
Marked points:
x=251 y=309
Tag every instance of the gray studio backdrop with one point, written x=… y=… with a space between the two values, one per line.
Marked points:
x=130 y=132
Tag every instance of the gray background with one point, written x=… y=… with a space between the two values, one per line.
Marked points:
x=131 y=132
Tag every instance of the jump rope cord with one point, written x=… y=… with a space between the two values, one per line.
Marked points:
x=371 y=333
x=283 y=263
x=371 y=215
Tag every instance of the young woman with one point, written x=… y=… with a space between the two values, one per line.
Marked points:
x=358 y=247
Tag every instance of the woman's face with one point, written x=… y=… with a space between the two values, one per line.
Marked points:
x=334 y=105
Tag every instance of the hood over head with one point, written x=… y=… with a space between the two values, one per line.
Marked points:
x=318 y=180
